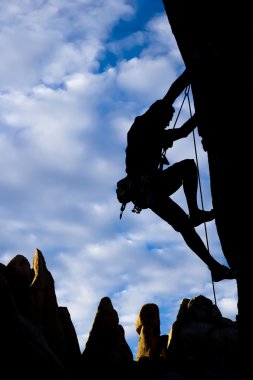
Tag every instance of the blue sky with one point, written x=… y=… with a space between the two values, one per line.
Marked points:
x=73 y=76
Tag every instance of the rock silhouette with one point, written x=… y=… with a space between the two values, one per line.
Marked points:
x=148 y=328
x=202 y=342
x=106 y=350
x=26 y=345
x=38 y=338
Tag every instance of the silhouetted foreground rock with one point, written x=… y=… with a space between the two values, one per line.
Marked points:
x=202 y=343
x=106 y=350
x=38 y=339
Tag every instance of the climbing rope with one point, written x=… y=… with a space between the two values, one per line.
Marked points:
x=199 y=181
x=186 y=95
x=163 y=154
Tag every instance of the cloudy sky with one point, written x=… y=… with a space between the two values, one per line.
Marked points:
x=73 y=76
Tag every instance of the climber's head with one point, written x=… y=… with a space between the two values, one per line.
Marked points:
x=161 y=113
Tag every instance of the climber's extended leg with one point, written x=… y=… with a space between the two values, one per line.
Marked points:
x=173 y=214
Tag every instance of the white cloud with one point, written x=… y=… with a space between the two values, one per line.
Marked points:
x=146 y=86
x=47 y=40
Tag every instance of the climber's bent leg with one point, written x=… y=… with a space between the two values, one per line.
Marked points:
x=184 y=173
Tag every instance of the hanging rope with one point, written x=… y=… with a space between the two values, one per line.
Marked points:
x=200 y=187
x=163 y=154
x=186 y=95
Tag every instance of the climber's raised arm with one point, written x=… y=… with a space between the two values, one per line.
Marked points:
x=177 y=87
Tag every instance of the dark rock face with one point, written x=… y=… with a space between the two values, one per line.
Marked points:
x=206 y=35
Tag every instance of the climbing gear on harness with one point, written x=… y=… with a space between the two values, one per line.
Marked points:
x=137 y=192
x=141 y=193
x=136 y=209
x=124 y=193
x=163 y=160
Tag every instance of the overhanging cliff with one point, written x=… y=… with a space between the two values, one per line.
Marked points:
x=207 y=35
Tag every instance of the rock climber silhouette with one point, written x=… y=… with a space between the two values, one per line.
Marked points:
x=147 y=138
